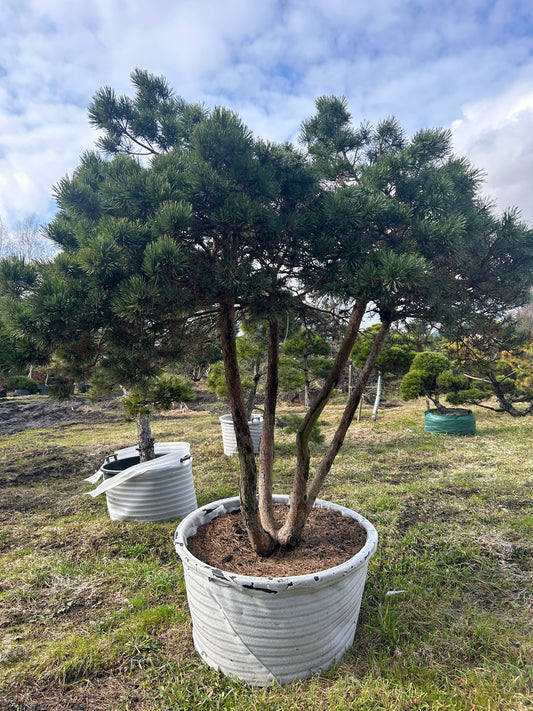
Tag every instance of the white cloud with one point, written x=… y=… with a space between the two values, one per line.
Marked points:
x=422 y=62
x=497 y=135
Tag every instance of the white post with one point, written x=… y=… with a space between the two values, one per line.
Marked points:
x=378 y=398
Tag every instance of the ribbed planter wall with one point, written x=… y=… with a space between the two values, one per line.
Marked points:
x=457 y=421
x=229 y=439
x=159 y=490
x=262 y=630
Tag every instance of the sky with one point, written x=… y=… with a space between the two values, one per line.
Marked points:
x=465 y=65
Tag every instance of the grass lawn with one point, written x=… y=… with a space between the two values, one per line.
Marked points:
x=93 y=613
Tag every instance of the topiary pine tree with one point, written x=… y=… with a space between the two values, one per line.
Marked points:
x=431 y=375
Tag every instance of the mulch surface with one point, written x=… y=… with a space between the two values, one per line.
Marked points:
x=329 y=539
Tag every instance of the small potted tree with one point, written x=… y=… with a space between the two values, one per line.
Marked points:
x=430 y=375
x=152 y=481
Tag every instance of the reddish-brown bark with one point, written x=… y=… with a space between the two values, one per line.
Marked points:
x=260 y=539
x=266 y=452
x=289 y=534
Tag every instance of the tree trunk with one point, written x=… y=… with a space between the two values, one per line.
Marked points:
x=144 y=437
x=289 y=534
x=504 y=404
x=266 y=450
x=300 y=508
x=260 y=539
x=440 y=407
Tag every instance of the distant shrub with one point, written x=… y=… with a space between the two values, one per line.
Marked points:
x=21 y=382
x=293 y=422
x=61 y=388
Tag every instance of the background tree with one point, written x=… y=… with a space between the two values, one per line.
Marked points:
x=396 y=355
x=252 y=349
x=19 y=353
x=497 y=358
x=26 y=240
x=305 y=347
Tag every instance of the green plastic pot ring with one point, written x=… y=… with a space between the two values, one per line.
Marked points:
x=457 y=421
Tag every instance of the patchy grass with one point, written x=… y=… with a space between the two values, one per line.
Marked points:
x=93 y=613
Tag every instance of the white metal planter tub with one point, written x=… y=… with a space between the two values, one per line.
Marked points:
x=159 y=490
x=261 y=629
x=229 y=439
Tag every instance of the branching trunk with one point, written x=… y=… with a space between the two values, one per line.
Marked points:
x=260 y=539
x=438 y=404
x=299 y=511
x=144 y=437
x=504 y=404
x=348 y=414
x=289 y=534
x=266 y=451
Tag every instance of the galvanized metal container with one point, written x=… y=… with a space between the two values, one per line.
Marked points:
x=159 y=490
x=262 y=630
x=229 y=439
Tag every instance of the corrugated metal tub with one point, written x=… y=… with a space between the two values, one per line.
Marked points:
x=262 y=630
x=159 y=490
x=229 y=439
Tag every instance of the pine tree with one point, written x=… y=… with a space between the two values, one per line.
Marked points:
x=214 y=223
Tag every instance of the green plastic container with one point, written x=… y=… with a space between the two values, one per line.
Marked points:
x=457 y=421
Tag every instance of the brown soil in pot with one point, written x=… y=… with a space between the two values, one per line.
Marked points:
x=329 y=539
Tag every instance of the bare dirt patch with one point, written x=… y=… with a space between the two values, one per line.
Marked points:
x=38 y=412
x=329 y=539
x=41 y=412
x=109 y=692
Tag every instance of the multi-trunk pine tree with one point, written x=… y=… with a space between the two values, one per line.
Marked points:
x=216 y=220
